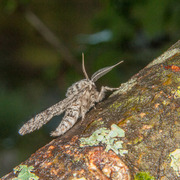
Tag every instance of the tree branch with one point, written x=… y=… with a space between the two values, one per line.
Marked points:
x=132 y=133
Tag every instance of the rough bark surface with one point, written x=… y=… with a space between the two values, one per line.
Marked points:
x=135 y=130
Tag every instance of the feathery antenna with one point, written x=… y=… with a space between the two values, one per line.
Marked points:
x=102 y=72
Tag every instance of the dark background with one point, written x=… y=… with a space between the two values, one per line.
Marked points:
x=37 y=68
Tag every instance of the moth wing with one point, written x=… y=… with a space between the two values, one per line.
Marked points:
x=42 y=118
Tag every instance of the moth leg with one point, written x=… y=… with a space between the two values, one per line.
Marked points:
x=83 y=113
x=70 y=118
x=104 y=89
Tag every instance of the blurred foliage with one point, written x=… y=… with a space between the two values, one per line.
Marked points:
x=9 y=6
x=35 y=75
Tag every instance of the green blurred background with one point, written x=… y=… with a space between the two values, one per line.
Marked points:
x=41 y=42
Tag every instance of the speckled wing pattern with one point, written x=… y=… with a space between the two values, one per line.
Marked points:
x=44 y=117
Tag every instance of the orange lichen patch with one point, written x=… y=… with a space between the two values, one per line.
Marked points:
x=66 y=146
x=160 y=131
x=46 y=164
x=47 y=154
x=49 y=163
x=79 y=175
x=51 y=147
x=53 y=171
x=106 y=165
x=61 y=166
x=74 y=139
x=161 y=92
x=80 y=172
x=156 y=105
x=121 y=121
x=147 y=127
x=78 y=156
x=140 y=158
x=173 y=68
x=166 y=67
x=55 y=160
x=157 y=95
x=68 y=151
x=142 y=115
x=167 y=82
x=70 y=147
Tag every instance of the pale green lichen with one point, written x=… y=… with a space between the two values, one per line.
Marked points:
x=143 y=176
x=108 y=137
x=25 y=173
x=166 y=102
x=116 y=105
x=175 y=161
x=176 y=93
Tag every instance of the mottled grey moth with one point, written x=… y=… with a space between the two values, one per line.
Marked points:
x=80 y=97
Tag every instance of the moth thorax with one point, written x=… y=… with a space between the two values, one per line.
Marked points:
x=78 y=87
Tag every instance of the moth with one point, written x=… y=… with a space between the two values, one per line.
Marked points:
x=80 y=98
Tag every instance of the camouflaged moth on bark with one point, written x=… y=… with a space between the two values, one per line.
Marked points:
x=80 y=97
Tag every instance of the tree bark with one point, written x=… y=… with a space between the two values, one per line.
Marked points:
x=134 y=133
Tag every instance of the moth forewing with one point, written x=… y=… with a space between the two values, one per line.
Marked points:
x=45 y=116
x=101 y=72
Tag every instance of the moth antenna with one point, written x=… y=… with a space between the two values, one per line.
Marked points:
x=83 y=67
x=102 y=72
